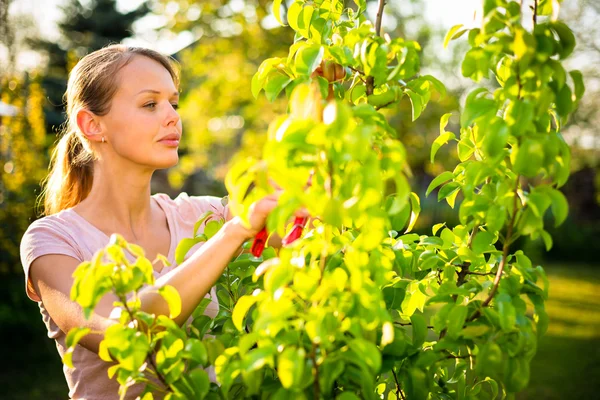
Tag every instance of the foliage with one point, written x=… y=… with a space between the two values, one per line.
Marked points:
x=22 y=140
x=83 y=29
x=360 y=307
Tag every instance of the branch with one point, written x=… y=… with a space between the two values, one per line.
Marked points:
x=535 y=10
x=370 y=79
x=480 y=273
x=399 y=391
x=379 y=18
x=356 y=70
x=316 y=382
x=505 y=249
x=409 y=324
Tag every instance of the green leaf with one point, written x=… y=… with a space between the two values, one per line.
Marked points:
x=441 y=178
x=528 y=157
x=199 y=382
x=206 y=215
x=277 y=11
x=495 y=218
x=293 y=14
x=241 y=309
x=476 y=64
x=75 y=335
x=547 y=238
x=566 y=38
x=413 y=299
x=185 y=245
x=195 y=350
x=560 y=206
x=436 y=83
x=489 y=360
x=367 y=352
x=417 y=103
x=415 y=204
x=290 y=367
x=456 y=320
x=476 y=106
x=439 y=142
x=453 y=33
x=448 y=189
x=496 y=136
x=308 y=59
x=577 y=77
x=475 y=331
x=482 y=243
x=419 y=329
x=507 y=312
x=171 y=296
x=275 y=84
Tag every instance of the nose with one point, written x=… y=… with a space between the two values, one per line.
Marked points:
x=172 y=117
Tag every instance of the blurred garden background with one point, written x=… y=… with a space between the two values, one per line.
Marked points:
x=220 y=44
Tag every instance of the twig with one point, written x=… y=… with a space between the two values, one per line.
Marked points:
x=356 y=70
x=505 y=249
x=409 y=324
x=316 y=382
x=399 y=391
x=379 y=18
x=535 y=10
x=480 y=273
x=386 y=104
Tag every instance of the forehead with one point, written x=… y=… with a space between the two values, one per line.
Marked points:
x=144 y=73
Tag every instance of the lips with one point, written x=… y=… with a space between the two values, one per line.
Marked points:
x=172 y=136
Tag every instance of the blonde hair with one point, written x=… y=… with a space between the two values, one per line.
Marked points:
x=92 y=85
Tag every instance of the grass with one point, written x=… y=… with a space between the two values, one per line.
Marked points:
x=567 y=364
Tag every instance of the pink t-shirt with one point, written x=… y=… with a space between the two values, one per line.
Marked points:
x=70 y=234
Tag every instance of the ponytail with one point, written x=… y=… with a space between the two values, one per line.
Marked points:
x=71 y=174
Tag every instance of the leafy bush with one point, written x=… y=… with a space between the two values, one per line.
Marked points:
x=360 y=307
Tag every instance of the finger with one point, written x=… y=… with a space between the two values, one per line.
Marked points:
x=302 y=212
x=274 y=184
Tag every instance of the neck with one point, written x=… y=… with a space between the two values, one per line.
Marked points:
x=120 y=199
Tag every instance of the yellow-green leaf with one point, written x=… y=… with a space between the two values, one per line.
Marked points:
x=171 y=296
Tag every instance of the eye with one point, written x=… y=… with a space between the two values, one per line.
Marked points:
x=175 y=106
x=150 y=105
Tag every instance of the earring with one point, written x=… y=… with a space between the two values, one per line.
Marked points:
x=103 y=139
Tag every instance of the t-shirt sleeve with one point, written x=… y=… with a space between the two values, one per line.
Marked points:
x=41 y=238
x=201 y=204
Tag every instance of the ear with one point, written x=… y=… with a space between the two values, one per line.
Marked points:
x=89 y=125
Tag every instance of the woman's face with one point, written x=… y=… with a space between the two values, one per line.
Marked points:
x=142 y=113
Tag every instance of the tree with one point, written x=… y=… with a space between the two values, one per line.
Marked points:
x=360 y=307
x=83 y=28
x=22 y=140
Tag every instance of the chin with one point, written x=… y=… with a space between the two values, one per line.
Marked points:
x=166 y=162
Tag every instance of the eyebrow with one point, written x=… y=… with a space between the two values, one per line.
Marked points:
x=155 y=92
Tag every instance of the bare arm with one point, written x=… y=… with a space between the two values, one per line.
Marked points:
x=52 y=278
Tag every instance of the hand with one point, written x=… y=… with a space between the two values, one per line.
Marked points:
x=258 y=213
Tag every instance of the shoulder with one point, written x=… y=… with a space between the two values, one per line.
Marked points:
x=192 y=206
x=52 y=234
x=50 y=230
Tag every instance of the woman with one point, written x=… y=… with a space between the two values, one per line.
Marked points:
x=122 y=126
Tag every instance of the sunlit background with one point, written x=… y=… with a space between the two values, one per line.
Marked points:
x=220 y=44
